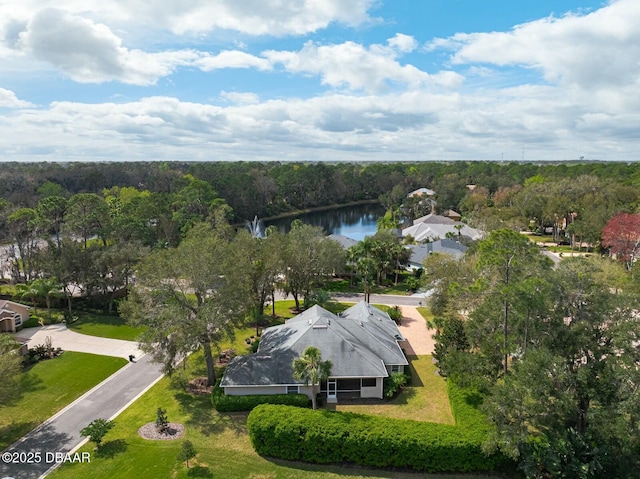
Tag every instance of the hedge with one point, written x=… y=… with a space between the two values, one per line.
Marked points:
x=224 y=403
x=333 y=437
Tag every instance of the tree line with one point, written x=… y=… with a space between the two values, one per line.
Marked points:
x=265 y=189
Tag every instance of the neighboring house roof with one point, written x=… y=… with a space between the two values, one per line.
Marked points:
x=422 y=191
x=360 y=342
x=433 y=227
x=344 y=241
x=454 y=215
x=445 y=246
x=11 y=315
x=6 y=304
x=433 y=219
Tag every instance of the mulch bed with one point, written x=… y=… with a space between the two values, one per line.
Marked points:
x=149 y=431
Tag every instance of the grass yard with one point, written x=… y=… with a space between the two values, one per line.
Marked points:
x=49 y=386
x=221 y=440
x=426 y=313
x=425 y=400
x=105 y=326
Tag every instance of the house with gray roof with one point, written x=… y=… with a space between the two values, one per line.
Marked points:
x=343 y=240
x=434 y=227
x=361 y=342
x=419 y=252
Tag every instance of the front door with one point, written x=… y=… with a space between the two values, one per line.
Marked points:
x=332 y=389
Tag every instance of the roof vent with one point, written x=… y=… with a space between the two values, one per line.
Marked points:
x=320 y=326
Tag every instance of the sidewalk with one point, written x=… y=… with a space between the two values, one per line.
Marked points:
x=68 y=340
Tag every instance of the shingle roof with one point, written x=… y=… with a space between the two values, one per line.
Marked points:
x=344 y=241
x=434 y=227
x=447 y=246
x=359 y=343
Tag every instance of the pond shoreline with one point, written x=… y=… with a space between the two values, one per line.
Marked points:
x=318 y=209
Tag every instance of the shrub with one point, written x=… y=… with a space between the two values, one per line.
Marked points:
x=97 y=429
x=333 y=437
x=394 y=384
x=224 y=403
x=162 y=422
x=395 y=313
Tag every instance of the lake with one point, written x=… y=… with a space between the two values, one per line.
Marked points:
x=355 y=221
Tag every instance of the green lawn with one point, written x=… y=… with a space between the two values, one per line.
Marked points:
x=50 y=385
x=344 y=286
x=425 y=400
x=104 y=326
x=223 y=446
x=426 y=313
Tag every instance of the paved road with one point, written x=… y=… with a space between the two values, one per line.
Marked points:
x=61 y=433
x=389 y=299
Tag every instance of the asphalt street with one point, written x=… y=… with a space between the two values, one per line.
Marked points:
x=35 y=454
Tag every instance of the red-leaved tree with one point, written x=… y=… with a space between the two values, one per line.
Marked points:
x=621 y=235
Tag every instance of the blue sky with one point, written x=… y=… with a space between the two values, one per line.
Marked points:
x=319 y=80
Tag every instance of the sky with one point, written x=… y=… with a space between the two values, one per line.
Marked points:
x=319 y=80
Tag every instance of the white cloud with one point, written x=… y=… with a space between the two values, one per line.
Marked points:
x=403 y=43
x=597 y=50
x=414 y=125
x=253 y=17
x=8 y=99
x=232 y=59
x=352 y=65
x=241 y=98
x=89 y=52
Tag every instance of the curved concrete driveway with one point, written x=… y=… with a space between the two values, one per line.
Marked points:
x=64 y=338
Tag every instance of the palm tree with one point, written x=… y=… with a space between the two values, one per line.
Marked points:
x=28 y=291
x=310 y=368
x=47 y=288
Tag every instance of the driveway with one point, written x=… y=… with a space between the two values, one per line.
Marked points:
x=418 y=337
x=64 y=338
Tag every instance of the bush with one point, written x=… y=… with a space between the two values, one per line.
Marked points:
x=394 y=384
x=333 y=437
x=395 y=313
x=224 y=403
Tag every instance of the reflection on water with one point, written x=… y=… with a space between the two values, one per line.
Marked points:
x=353 y=221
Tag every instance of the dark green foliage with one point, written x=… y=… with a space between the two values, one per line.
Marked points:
x=394 y=384
x=334 y=437
x=162 y=423
x=395 y=313
x=224 y=403
x=450 y=336
x=188 y=451
x=97 y=429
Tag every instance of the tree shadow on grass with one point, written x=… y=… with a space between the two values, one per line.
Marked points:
x=202 y=415
x=112 y=448
x=14 y=431
x=199 y=471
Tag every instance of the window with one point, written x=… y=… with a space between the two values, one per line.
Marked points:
x=293 y=389
x=369 y=382
x=396 y=368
